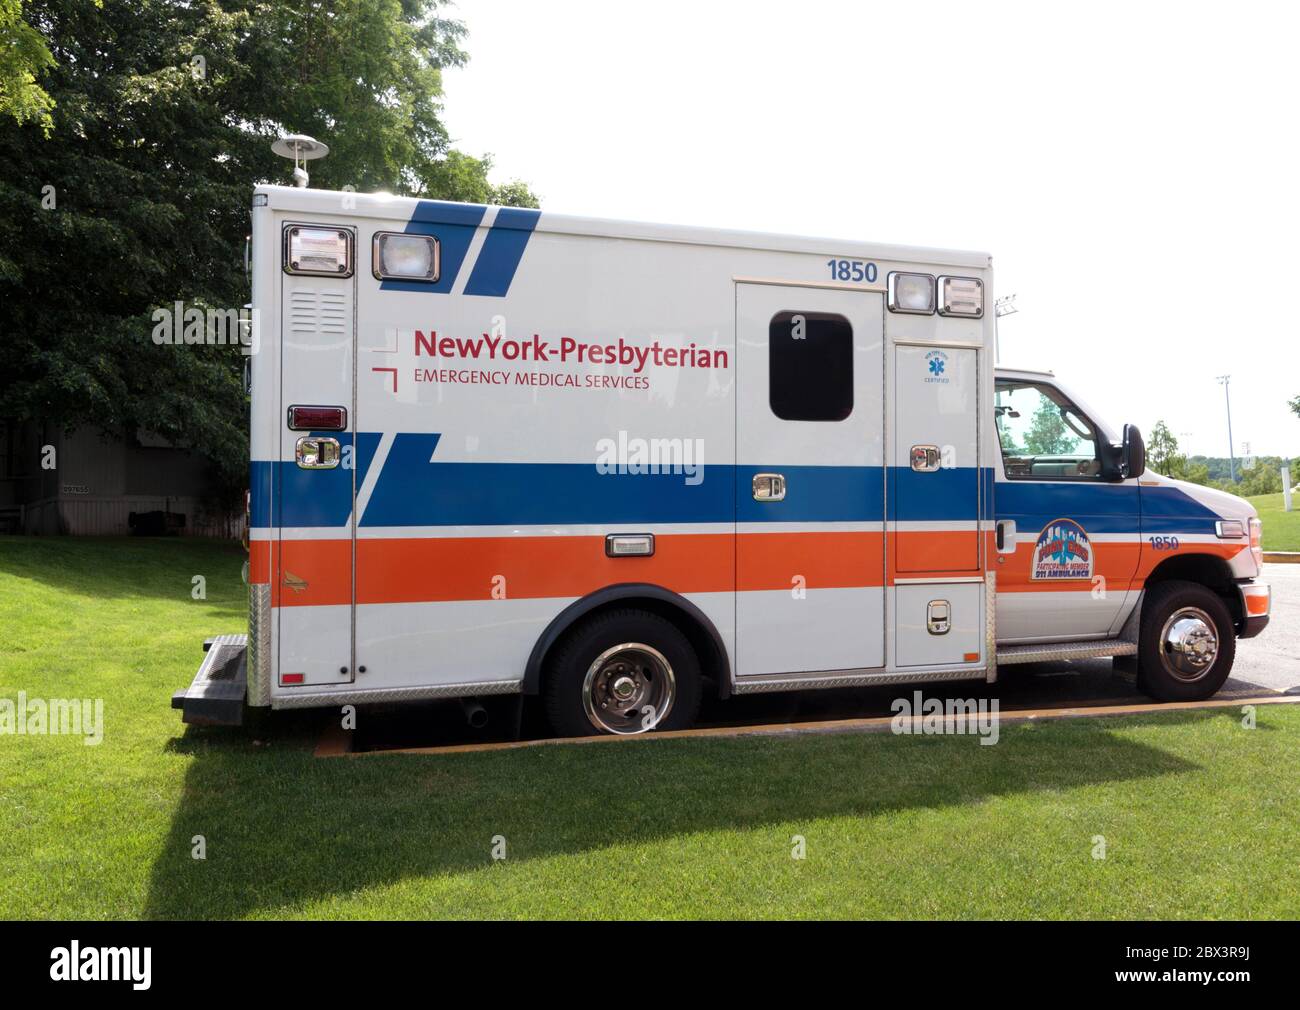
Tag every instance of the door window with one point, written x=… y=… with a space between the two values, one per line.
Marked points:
x=1043 y=435
x=810 y=366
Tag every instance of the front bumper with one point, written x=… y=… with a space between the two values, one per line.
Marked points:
x=1256 y=606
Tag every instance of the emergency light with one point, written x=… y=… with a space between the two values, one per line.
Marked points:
x=911 y=293
x=408 y=257
x=961 y=296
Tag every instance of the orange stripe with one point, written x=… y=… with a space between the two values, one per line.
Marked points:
x=934 y=554
x=1115 y=562
x=259 y=562
x=1151 y=558
x=821 y=560
x=313 y=573
x=317 y=572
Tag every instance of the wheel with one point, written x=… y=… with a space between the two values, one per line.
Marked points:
x=624 y=671
x=1186 y=642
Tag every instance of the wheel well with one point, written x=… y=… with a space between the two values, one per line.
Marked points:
x=686 y=616
x=1206 y=570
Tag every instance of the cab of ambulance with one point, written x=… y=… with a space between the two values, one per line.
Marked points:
x=1068 y=516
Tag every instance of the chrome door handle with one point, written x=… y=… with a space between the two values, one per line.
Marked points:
x=769 y=487
x=925 y=458
x=315 y=453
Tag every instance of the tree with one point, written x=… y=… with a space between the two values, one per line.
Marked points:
x=1162 y=452
x=1265 y=477
x=163 y=115
x=1295 y=406
x=23 y=57
x=1048 y=435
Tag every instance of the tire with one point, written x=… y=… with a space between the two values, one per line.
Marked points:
x=1191 y=614
x=610 y=668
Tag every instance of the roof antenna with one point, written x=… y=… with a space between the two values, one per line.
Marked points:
x=300 y=149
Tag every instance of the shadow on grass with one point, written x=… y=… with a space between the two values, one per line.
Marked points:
x=282 y=828
x=127 y=567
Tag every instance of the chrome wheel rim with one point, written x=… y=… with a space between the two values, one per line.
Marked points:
x=1189 y=643
x=629 y=689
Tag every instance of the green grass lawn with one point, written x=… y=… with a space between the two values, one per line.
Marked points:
x=1201 y=816
x=1281 y=529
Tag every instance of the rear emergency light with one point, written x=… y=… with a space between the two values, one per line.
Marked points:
x=318 y=418
x=912 y=293
x=961 y=296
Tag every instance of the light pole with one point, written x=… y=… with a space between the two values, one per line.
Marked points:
x=1227 y=402
x=1004 y=306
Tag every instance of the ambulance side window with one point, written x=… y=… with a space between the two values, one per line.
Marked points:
x=1043 y=435
x=810 y=366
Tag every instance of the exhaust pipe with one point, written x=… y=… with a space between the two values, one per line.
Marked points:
x=475 y=714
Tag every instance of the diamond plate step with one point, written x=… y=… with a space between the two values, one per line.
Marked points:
x=1056 y=651
x=215 y=696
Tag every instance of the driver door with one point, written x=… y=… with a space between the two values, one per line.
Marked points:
x=1077 y=533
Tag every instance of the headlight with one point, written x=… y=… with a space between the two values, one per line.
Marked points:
x=1229 y=529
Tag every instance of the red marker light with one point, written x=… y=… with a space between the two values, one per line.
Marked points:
x=318 y=418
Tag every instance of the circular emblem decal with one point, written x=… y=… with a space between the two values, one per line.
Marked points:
x=1063 y=551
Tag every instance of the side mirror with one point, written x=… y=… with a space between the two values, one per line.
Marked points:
x=1134 y=452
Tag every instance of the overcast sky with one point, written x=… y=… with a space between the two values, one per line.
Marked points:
x=1131 y=167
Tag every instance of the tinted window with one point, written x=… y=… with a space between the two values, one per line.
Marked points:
x=810 y=359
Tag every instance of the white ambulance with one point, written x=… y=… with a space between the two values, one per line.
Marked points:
x=501 y=451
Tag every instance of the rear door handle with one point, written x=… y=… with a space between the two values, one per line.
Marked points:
x=925 y=458
x=1006 y=536
x=314 y=452
x=769 y=487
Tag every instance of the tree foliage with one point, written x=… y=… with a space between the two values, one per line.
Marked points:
x=1048 y=434
x=162 y=115
x=1162 y=452
x=23 y=57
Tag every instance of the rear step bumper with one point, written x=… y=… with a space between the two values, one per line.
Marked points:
x=215 y=696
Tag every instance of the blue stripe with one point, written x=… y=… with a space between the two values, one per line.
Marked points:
x=413 y=490
x=1103 y=508
x=502 y=250
x=308 y=497
x=1098 y=508
x=453 y=224
x=949 y=494
x=1171 y=510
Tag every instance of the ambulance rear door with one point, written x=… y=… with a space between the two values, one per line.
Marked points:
x=313 y=493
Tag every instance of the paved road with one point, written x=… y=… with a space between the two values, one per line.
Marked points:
x=1272 y=659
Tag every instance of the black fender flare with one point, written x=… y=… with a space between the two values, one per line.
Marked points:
x=578 y=609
